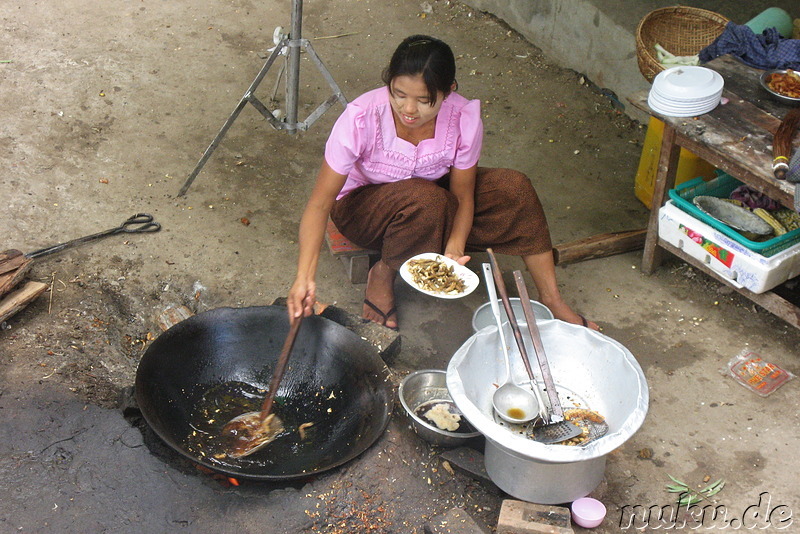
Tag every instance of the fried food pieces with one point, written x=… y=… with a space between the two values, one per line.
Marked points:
x=436 y=276
x=786 y=84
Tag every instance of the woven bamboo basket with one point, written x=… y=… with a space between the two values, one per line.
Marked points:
x=683 y=31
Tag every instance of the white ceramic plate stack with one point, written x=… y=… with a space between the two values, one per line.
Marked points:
x=685 y=91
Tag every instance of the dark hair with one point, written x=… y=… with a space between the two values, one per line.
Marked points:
x=428 y=57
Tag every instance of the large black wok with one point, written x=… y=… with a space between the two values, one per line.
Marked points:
x=215 y=365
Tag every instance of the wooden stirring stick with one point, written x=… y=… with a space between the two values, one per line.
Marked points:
x=249 y=432
x=280 y=367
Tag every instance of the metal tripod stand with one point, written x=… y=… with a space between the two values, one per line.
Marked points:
x=290 y=46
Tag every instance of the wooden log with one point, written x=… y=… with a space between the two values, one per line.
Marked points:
x=599 y=246
x=11 y=260
x=20 y=298
x=172 y=316
x=9 y=279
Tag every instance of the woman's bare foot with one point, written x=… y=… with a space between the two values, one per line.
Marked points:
x=379 y=297
x=543 y=271
x=563 y=312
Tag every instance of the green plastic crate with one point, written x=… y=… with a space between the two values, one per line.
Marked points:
x=722 y=186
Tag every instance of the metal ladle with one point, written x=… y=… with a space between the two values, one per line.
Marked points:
x=512 y=403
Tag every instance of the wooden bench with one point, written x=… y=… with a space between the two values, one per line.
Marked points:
x=356 y=259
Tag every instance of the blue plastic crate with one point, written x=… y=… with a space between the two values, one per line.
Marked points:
x=722 y=186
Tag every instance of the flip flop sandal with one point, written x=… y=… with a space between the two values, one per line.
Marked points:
x=385 y=316
x=586 y=323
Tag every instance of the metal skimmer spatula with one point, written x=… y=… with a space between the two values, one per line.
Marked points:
x=556 y=429
x=590 y=424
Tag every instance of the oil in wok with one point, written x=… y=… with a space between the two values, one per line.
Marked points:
x=304 y=418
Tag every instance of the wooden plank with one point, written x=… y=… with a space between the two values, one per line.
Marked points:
x=599 y=246
x=10 y=279
x=17 y=300
x=744 y=82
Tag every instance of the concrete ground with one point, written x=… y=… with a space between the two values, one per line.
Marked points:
x=107 y=107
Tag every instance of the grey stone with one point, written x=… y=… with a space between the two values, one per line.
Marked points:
x=468 y=461
x=386 y=340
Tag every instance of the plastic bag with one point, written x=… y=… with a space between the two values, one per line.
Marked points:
x=760 y=377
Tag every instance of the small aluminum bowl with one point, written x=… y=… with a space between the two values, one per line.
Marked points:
x=764 y=79
x=422 y=387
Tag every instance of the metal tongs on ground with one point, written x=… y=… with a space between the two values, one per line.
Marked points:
x=555 y=429
x=251 y=431
x=136 y=224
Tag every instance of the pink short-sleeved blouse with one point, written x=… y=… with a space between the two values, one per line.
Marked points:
x=363 y=144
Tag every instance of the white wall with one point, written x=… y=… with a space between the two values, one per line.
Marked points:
x=577 y=35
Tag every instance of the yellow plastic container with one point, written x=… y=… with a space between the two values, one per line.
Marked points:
x=690 y=166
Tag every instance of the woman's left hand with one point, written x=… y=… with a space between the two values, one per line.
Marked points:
x=458 y=258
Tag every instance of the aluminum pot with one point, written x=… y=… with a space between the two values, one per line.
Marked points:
x=589 y=369
x=538 y=481
x=484 y=317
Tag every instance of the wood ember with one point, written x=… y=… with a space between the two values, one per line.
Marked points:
x=17 y=300
x=14 y=266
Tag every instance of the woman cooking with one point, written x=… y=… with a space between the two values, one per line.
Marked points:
x=401 y=176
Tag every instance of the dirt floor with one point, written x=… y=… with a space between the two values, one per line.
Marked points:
x=107 y=108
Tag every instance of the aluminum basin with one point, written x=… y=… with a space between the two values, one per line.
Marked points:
x=590 y=370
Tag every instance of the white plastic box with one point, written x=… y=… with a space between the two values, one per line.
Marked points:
x=742 y=267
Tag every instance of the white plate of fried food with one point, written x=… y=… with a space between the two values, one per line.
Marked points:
x=438 y=276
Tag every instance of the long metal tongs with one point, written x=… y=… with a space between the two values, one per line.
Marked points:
x=556 y=429
x=136 y=224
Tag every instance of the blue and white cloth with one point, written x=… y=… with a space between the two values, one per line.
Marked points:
x=769 y=50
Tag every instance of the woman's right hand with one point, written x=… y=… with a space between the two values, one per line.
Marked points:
x=302 y=297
